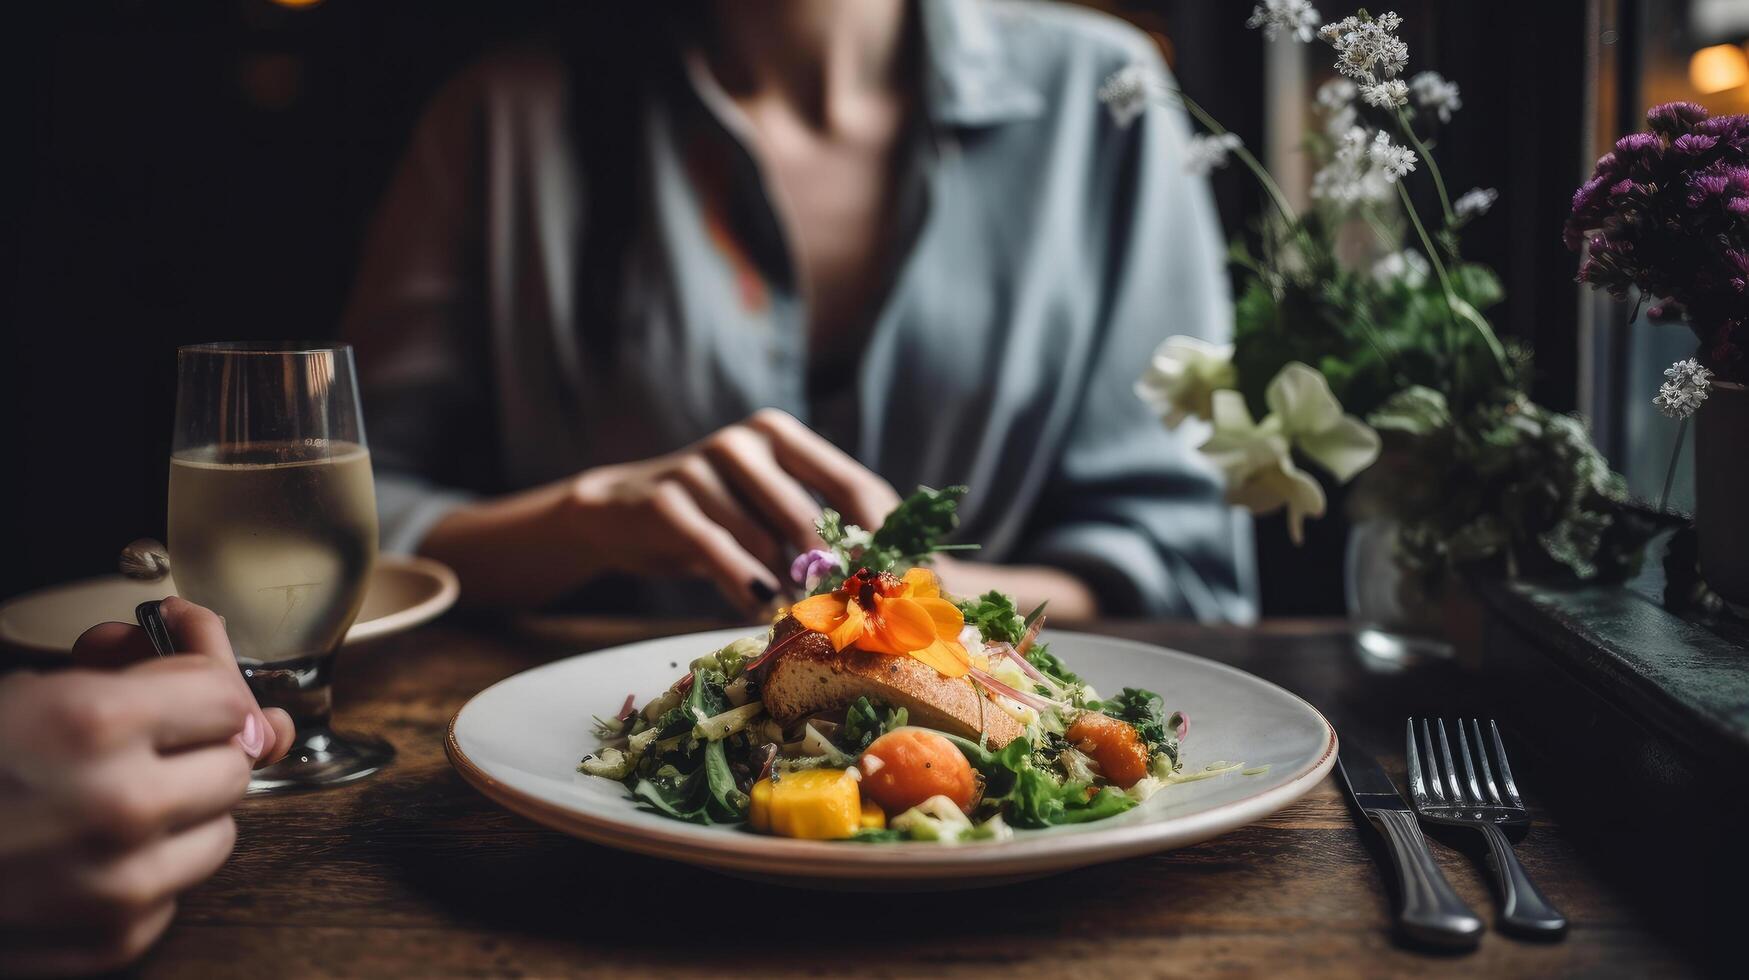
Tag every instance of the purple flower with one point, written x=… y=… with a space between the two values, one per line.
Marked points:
x=1672 y=118
x=1694 y=144
x=1666 y=216
x=811 y=568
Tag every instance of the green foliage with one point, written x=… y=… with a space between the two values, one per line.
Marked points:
x=1032 y=795
x=863 y=723
x=913 y=531
x=994 y=615
x=1511 y=485
x=705 y=795
x=1369 y=337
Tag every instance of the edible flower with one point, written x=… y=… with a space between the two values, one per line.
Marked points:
x=811 y=567
x=887 y=614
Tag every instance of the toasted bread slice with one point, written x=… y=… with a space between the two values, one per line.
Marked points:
x=807 y=675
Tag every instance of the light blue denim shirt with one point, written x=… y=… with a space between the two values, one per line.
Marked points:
x=1048 y=250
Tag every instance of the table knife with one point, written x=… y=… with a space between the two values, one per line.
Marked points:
x=1430 y=912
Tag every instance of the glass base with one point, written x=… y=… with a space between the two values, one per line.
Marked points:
x=1387 y=651
x=320 y=758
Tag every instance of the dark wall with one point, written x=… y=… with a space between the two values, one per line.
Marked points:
x=182 y=171
x=190 y=170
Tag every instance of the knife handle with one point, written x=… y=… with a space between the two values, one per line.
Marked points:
x=1431 y=911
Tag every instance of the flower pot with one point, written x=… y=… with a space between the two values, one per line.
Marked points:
x=1721 y=491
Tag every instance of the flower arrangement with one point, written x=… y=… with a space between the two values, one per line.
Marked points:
x=1360 y=308
x=1667 y=213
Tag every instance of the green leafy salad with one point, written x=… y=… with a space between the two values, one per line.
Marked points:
x=878 y=708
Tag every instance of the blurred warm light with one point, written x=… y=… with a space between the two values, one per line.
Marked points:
x=1720 y=67
x=296 y=3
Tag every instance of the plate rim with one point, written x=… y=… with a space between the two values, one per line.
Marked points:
x=804 y=860
x=448 y=591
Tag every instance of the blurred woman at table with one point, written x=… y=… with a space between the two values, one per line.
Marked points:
x=116 y=786
x=640 y=300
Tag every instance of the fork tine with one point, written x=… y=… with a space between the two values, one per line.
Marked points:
x=1457 y=793
x=1505 y=769
x=1469 y=765
x=1482 y=756
x=1417 y=780
x=1434 y=786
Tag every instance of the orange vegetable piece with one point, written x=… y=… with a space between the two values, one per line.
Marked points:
x=1121 y=755
x=906 y=766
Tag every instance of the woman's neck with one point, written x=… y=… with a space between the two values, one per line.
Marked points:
x=822 y=57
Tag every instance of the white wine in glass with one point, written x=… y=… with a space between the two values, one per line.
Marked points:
x=273 y=526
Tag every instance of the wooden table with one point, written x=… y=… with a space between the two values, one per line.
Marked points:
x=413 y=873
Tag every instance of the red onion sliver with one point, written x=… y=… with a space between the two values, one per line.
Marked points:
x=1031 y=635
x=1031 y=700
x=626 y=710
x=1025 y=665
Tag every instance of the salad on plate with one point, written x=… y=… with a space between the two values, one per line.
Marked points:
x=879 y=708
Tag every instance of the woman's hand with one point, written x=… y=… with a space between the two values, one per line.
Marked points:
x=734 y=507
x=116 y=785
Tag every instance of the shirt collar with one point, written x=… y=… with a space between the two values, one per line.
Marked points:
x=968 y=78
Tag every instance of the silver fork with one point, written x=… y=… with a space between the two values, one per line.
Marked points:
x=1441 y=796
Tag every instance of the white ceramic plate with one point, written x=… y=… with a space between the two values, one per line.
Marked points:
x=404 y=591
x=519 y=741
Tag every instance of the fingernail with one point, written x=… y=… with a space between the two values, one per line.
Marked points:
x=762 y=592
x=251 y=737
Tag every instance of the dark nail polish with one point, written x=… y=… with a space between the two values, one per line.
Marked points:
x=761 y=591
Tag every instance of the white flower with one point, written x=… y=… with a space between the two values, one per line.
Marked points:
x=1257 y=457
x=1125 y=93
x=1204 y=152
x=1408 y=266
x=1349 y=180
x=1391 y=160
x=1337 y=94
x=1296 y=18
x=1433 y=91
x=1388 y=94
x=1368 y=50
x=1688 y=386
x=1313 y=420
x=1258 y=465
x=1182 y=378
x=1475 y=202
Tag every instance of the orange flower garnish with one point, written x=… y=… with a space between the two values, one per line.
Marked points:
x=882 y=614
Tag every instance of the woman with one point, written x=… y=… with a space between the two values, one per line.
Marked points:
x=636 y=304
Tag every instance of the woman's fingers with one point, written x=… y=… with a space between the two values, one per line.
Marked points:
x=856 y=492
x=141 y=879
x=743 y=579
x=200 y=784
x=283 y=729
x=202 y=631
x=744 y=457
x=183 y=701
x=718 y=501
x=199 y=630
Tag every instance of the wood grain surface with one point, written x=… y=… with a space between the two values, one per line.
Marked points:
x=412 y=873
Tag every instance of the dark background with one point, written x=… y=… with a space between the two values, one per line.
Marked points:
x=192 y=170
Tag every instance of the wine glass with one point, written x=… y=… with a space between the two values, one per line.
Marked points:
x=273 y=525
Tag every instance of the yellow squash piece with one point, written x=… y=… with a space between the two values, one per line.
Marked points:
x=873 y=817
x=815 y=804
